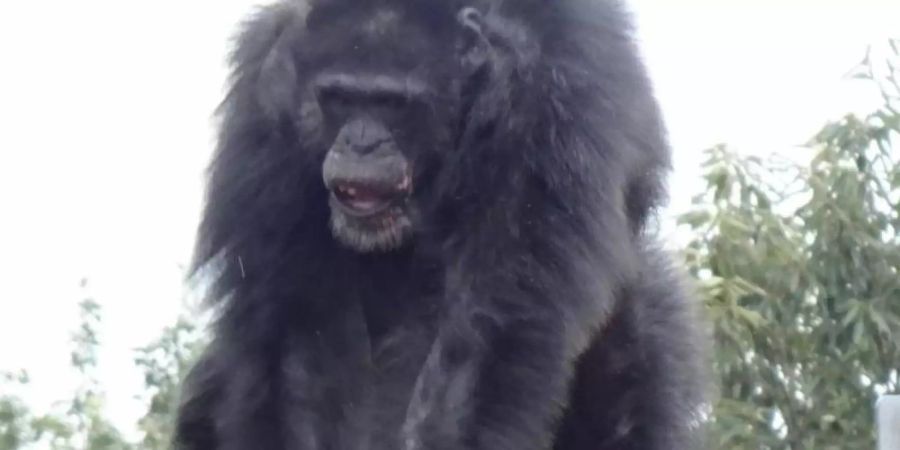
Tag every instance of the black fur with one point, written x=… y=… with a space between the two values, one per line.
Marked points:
x=529 y=310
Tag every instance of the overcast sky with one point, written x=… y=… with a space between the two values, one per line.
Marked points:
x=105 y=129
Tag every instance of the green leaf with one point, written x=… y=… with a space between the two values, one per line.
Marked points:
x=695 y=219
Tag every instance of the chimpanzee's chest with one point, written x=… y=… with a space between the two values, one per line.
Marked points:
x=372 y=378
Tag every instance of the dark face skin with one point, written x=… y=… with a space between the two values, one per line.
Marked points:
x=389 y=118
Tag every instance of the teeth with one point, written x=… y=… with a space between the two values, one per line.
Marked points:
x=349 y=190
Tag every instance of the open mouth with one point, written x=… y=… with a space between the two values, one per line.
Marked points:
x=366 y=198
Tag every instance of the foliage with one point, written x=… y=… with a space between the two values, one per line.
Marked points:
x=92 y=430
x=15 y=418
x=80 y=422
x=799 y=269
x=165 y=362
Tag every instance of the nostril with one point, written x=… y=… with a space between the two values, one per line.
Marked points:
x=364 y=135
x=365 y=149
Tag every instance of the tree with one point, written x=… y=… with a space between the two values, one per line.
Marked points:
x=15 y=417
x=799 y=270
x=81 y=424
x=165 y=363
x=92 y=430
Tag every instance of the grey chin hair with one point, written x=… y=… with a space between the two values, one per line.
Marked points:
x=382 y=239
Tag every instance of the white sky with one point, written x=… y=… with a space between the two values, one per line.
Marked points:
x=105 y=129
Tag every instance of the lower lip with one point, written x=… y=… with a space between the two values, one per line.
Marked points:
x=375 y=210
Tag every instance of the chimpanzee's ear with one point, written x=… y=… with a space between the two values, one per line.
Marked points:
x=264 y=65
x=474 y=45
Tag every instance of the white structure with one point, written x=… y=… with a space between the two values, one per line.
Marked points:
x=889 y=422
